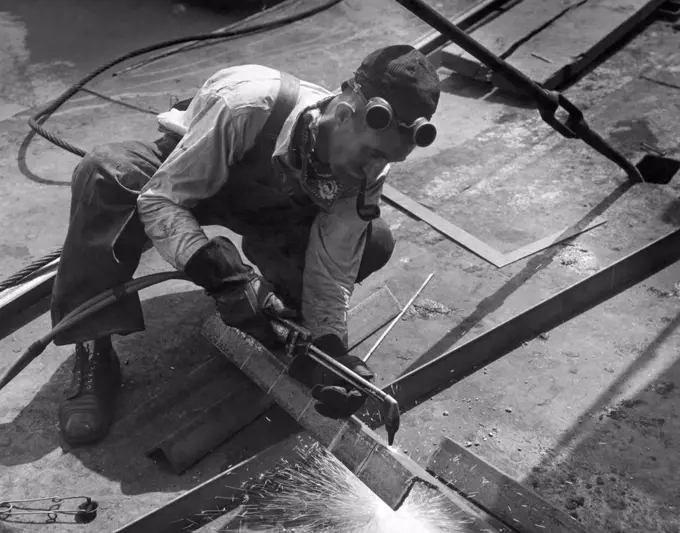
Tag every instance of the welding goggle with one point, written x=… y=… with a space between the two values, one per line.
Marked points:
x=380 y=116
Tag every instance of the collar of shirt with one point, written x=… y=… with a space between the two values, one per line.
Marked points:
x=309 y=95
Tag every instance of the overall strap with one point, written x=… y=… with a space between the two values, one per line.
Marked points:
x=285 y=102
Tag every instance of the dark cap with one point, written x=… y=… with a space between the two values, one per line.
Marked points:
x=404 y=77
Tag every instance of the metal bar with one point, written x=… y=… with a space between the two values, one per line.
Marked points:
x=550 y=240
x=425 y=381
x=547 y=101
x=499 y=494
x=397 y=318
x=453 y=232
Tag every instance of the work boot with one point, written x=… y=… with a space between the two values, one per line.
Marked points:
x=86 y=411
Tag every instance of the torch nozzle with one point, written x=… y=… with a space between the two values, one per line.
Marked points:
x=390 y=412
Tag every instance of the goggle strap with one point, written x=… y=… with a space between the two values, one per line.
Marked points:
x=366 y=213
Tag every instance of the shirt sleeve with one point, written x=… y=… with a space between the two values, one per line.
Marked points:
x=196 y=169
x=336 y=246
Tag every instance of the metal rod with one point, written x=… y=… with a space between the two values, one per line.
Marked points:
x=548 y=102
x=397 y=318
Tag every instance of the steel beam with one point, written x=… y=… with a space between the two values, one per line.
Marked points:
x=425 y=381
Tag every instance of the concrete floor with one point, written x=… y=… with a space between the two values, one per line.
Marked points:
x=587 y=415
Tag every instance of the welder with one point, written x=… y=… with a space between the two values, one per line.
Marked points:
x=295 y=169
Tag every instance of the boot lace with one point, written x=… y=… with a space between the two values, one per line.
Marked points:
x=89 y=373
x=85 y=369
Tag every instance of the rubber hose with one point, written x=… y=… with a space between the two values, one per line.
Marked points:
x=86 y=309
x=36 y=121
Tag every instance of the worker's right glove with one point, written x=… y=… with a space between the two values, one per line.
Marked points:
x=336 y=397
x=243 y=297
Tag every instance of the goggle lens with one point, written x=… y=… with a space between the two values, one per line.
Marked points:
x=424 y=134
x=378 y=116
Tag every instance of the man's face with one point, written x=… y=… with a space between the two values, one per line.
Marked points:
x=357 y=151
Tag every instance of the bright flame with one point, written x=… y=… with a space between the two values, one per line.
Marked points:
x=319 y=494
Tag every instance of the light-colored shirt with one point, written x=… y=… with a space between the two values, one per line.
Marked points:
x=219 y=127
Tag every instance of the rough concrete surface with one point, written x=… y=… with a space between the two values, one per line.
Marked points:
x=586 y=415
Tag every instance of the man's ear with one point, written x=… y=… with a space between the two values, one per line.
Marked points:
x=344 y=111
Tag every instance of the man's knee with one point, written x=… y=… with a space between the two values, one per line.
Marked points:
x=87 y=166
x=94 y=165
x=119 y=166
x=378 y=250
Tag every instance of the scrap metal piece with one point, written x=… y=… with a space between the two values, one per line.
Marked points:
x=453 y=232
x=550 y=240
x=472 y=243
x=220 y=421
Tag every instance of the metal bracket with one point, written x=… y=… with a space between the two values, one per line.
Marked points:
x=472 y=243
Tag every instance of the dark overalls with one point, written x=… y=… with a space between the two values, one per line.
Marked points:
x=105 y=238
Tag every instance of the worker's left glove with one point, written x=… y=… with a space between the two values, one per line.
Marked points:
x=336 y=397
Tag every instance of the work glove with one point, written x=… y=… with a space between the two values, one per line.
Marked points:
x=336 y=397
x=243 y=298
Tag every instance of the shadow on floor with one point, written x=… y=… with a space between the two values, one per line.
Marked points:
x=155 y=360
x=618 y=467
x=459 y=85
x=672 y=214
